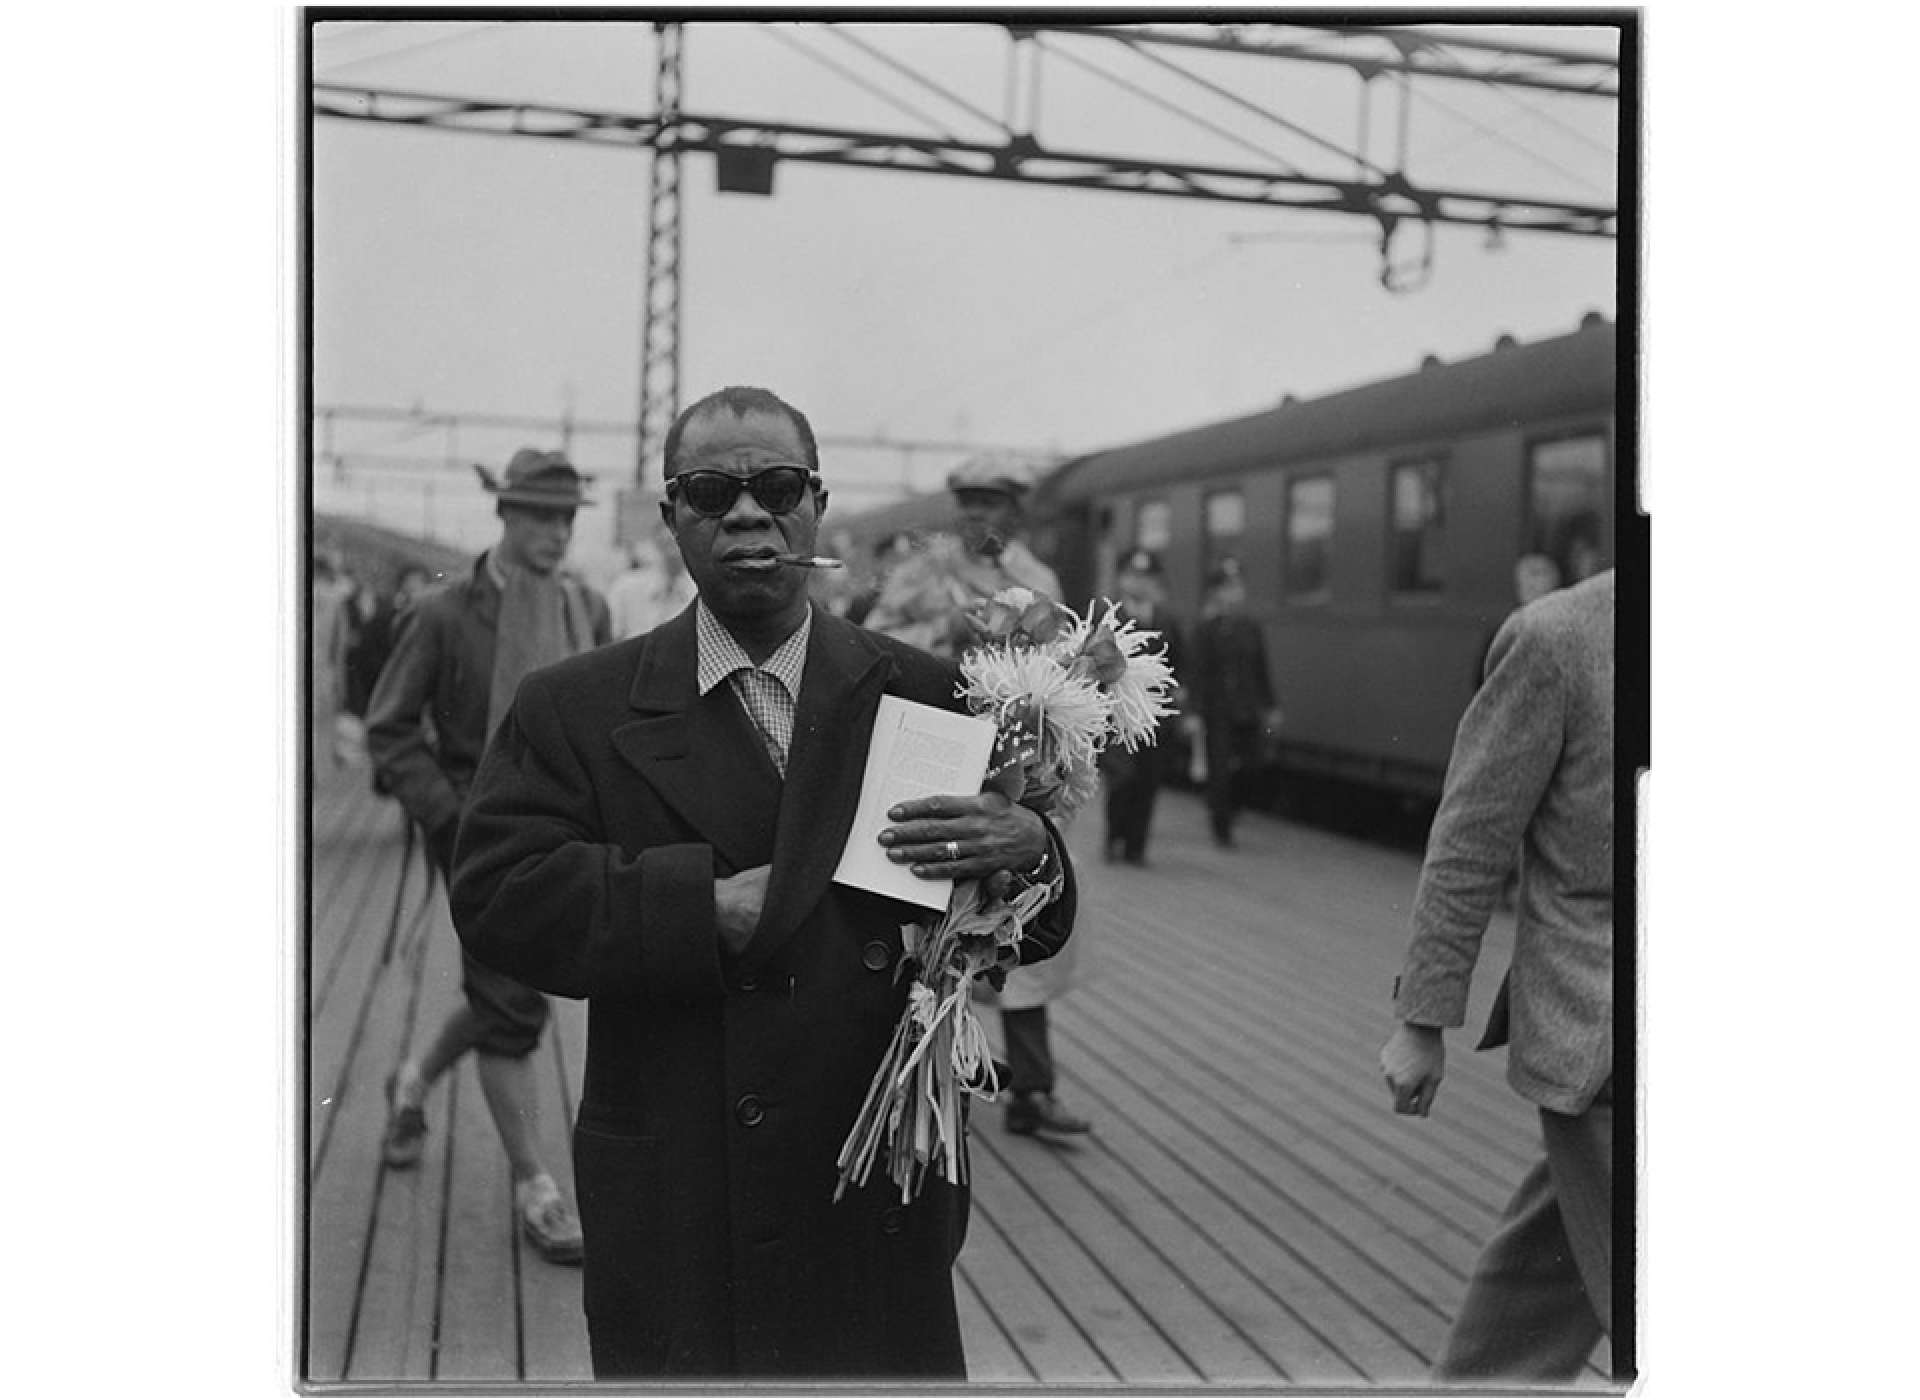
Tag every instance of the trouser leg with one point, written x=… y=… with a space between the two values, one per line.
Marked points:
x=1580 y=1156
x=1527 y=1314
x=1029 y=1057
x=1220 y=778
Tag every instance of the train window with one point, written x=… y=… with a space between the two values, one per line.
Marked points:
x=1308 y=569
x=1153 y=526
x=1224 y=516
x=1567 y=504
x=1419 y=528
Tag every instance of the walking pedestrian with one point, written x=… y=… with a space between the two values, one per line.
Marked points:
x=1232 y=695
x=1532 y=771
x=460 y=654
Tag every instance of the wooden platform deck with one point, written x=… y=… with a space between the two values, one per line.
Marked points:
x=1247 y=1212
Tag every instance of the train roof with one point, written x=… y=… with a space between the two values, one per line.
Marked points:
x=1514 y=383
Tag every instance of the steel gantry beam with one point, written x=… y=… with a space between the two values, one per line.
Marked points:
x=1421 y=53
x=1386 y=198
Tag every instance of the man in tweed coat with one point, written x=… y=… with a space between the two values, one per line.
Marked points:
x=1532 y=771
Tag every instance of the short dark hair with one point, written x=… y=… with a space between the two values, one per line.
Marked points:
x=741 y=399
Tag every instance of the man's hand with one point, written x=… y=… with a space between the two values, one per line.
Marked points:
x=737 y=900
x=1414 y=1059
x=964 y=838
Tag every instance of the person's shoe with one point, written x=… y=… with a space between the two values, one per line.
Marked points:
x=1041 y=1113
x=548 y=1221
x=406 y=1136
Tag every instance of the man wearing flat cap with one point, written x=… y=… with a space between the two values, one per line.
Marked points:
x=925 y=602
x=457 y=660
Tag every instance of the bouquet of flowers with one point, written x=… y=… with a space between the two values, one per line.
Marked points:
x=1060 y=688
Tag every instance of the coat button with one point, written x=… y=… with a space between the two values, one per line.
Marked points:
x=892 y=1220
x=749 y=1111
x=747 y=984
x=876 y=956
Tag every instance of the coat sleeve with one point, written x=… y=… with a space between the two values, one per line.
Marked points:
x=1053 y=925
x=1504 y=755
x=396 y=726
x=539 y=893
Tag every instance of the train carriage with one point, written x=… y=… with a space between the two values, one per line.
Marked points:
x=1377 y=528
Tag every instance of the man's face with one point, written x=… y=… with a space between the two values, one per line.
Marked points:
x=987 y=519
x=730 y=557
x=535 y=537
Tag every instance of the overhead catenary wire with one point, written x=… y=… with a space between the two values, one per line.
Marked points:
x=1493 y=133
x=899 y=104
x=465 y=31
x=1227 y=94
x=1136 y=90
x=908 y=72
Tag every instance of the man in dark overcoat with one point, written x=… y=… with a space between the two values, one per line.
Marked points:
x=655 y=829
x=1232 y=694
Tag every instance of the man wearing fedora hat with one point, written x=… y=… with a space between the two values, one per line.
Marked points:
x=457 y=660
x=925 y=602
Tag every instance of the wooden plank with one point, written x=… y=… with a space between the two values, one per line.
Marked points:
x=553 y=1320
x=1312 y=1120
x=479 y=1329
x=345 y=1183
x=1252 y=1209
x=395 y=1328
x=364 y=992
x=1207 y=1343
x=1128 y=1339
x=1283 y=1348
x=991 y=1356
x=1296 y=1064
x=1052 y=1345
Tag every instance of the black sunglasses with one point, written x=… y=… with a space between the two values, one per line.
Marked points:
x=711 y=493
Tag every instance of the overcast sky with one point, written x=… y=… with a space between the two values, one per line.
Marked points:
x=480 y=273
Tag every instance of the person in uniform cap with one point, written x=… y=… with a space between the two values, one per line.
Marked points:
x=924 y=602
x=459 y=654
x=1133 y=779
x=1232 y=693
x=655 y=828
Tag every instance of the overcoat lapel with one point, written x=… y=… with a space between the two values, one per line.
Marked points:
x=699 y=752
x=839 y=691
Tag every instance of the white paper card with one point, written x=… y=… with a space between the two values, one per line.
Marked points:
x=916 y=751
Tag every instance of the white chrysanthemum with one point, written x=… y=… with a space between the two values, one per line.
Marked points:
x=1073 y=710
x=1140 y=696
x=1016 y=597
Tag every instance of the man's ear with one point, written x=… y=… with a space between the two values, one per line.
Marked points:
x=666 y=513
x=820 y=503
